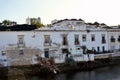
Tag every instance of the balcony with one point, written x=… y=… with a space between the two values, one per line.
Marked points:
x=21 y=44
x=47 y=44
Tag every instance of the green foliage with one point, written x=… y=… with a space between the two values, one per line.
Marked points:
x=36 y=23
x=49 y=25
x=70 y=61
x=6 y=22
x=83 y=47
x=39 y=25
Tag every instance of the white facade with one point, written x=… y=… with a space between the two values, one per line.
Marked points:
x=114 y=39
x=63 y=37
x=36 y=39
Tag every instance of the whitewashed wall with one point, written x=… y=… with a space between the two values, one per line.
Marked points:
x=38 y=40
x=115 y=33
x=35 y=39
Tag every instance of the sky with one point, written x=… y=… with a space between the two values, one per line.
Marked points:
x=102 y=11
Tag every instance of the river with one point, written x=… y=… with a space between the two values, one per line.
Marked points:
x=105 y=73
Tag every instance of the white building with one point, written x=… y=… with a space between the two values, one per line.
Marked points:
x=114 y=39
x=66 y=36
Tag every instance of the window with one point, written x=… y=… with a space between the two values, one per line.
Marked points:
x=46 y=53
x=21 y=52
x=20 y=39
x=103 y=48
x=93 y=48
x=98 y=49
x=78 y=23
x=112 y=39
x=84 y=38
x=47 y=38
x=92 y=37
x=103 y=39
x=65 y=40
x=64 y=50
x=76 y=42
x=3 y=53
x=118 y=38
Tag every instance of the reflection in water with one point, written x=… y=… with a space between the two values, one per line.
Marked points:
x=106 y=73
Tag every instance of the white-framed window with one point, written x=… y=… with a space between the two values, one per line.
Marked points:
x=47 y=38
x=21 y=39
x=112 y=39
x=84 y=37
x=21 y=52
x=76 y=39
x=103 y=39
x=65 y=42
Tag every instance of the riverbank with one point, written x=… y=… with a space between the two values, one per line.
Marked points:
x=64 y=68
x=90 y=65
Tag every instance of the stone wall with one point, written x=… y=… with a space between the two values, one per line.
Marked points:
x=16 y=58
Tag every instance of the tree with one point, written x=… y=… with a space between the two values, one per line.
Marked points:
x=39 y=25
x=36 y=23
x=6 y=22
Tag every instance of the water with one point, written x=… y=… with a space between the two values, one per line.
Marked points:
x=106 y=73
